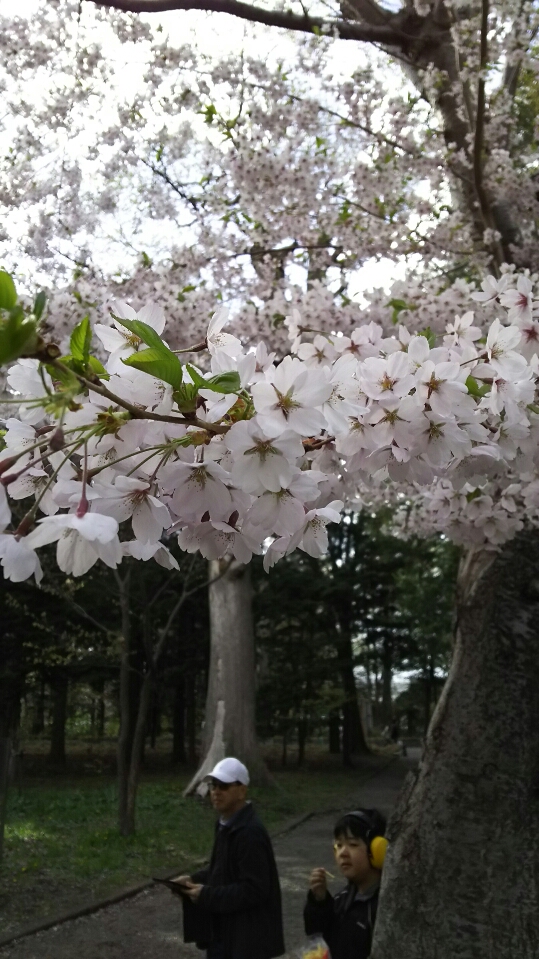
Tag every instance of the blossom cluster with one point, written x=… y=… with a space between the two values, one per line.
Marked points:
x=258 y=455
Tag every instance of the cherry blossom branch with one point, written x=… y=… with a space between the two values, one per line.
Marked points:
x=347 y=122
x=135 y=411
x=286 y=20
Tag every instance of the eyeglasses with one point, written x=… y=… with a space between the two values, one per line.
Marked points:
x=216 y=784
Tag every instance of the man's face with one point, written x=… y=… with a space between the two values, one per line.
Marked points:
x=227 y=798
x=352 y=858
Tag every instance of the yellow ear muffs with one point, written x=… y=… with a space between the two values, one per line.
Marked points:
x=377 y=851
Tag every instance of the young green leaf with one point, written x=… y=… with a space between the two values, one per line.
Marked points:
x=145 y=333
x=39 y=304
x=224 y=382
x=474 y=389
x=8 y=293
x=165 y=367
x=97 y=367
x=80 y=341
x=17 y=336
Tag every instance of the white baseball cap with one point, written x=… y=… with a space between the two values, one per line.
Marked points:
x=230 y=770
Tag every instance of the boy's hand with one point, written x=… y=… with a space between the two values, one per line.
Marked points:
x=318 y=884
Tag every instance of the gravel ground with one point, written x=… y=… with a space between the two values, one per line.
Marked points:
x=149 y=925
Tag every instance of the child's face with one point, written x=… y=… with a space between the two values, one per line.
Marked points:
x=352 y=858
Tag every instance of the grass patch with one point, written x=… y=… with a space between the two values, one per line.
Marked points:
x=62 y=847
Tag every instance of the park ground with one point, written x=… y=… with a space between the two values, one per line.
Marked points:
x=62 y=847
x=148 y=926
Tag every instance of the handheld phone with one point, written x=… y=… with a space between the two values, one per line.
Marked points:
x=175 y=886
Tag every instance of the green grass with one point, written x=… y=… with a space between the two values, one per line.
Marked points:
x=62 y=847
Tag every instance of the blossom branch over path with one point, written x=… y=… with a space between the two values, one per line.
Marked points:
x=257 y=455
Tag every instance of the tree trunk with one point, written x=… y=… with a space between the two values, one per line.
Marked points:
x=139 y=737
x=101 y=714
x=302 y=740
x=229 y=728
x=461 y=879
x=125 y=736
x=5 y=756
x=353 y=737
x=334 y=731
x=191 y=720
x=178 y=722
x=59 y=688
x=387 y=677
x=38 y=709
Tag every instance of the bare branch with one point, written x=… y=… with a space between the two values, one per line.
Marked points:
x=343 y=29
x=484 y=205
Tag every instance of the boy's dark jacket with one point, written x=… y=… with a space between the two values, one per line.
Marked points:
x=240 y=904
x=346 y=923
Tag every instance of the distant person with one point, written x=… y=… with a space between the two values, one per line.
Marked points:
x=347 y=920
x=395 y=731
x=233 y=907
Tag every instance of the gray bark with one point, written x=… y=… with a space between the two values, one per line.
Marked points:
x=229 y=728
x=461 y=879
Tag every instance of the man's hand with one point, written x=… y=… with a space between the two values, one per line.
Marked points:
x=318 y=884
x=182 y=880
x=192 y=889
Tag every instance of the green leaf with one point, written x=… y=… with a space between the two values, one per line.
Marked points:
x=186 y=398
x=474 y=389
x=8 y=293
x=145 y=333
x=429 y=336
x=221 y=383
x=97 y=367
x=158 y=352
x=197 y=378
x=65 y=376
x=224 y=382
x=80 y=341
x=398 y=306
x=17 y=336
x=152 y=361
x=39 y=305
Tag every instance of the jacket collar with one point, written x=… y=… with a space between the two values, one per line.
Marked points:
x=240 y=818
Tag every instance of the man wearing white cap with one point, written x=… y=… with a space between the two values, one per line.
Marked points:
x=233 y=907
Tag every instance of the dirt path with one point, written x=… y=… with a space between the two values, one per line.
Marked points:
x=149 y=925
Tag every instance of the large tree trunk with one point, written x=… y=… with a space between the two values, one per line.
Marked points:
x=461 y=879
x=353 y=737
x=229 y=728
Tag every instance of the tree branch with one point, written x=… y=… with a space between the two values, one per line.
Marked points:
x=343 y=29
x=484 y=205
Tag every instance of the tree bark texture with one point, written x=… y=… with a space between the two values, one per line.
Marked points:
x=461 y=879
x=353 y=737
x=230 y=728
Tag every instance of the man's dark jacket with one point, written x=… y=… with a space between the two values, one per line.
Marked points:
x=240 y=903
x=346 y=923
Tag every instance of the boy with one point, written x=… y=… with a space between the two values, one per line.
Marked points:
x=347 y=921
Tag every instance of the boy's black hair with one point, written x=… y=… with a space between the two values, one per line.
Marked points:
x=374 y=824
